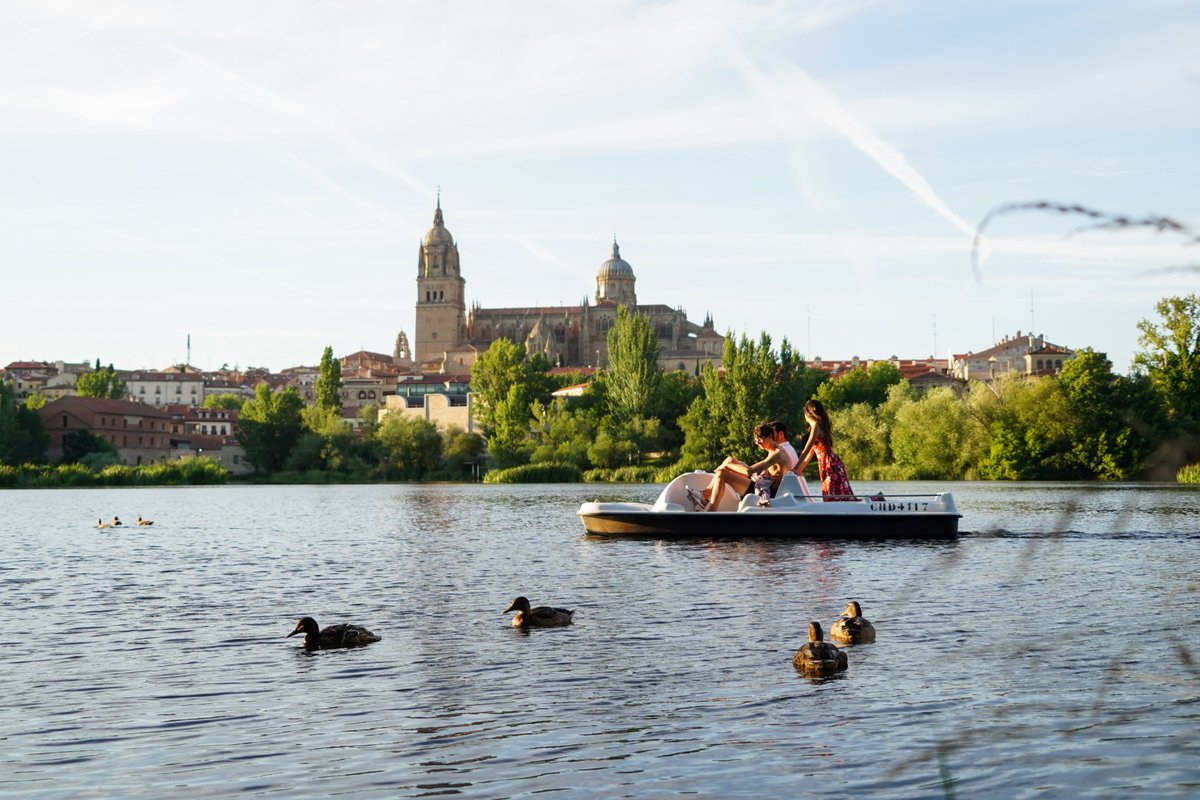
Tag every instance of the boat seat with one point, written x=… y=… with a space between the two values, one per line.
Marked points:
x=790 y=485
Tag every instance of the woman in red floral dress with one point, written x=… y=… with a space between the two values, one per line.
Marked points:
x=835 y=484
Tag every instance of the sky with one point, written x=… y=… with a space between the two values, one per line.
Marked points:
x=258 y=176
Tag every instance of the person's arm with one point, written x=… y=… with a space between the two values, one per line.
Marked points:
x=807 y=455
x=774 y=457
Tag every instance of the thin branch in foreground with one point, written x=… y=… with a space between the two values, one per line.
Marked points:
x=1102 y=220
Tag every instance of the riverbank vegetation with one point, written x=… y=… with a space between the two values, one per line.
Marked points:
x=192 y=471
x=1087 y=422
x=634 y=423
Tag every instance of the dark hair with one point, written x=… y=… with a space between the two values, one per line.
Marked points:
x=779 y=427
x=824 y=429
x=764 y=431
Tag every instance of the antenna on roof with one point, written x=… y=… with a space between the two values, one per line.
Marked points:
x=189 y=352
x=1032 y=327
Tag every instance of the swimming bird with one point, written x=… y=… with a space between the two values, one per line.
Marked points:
x=102 y=524
x=116 y=523
x=344 y=635
x=540 y=617
x=144 y=522
x=818 y=659
x=852 y=628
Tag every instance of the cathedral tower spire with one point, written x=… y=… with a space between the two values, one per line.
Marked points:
x=441 y=319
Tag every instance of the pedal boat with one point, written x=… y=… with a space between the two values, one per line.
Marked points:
x=793 y=512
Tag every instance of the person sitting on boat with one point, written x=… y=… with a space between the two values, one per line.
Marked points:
x=781 y=441
x=835 y=483
x=740 y=477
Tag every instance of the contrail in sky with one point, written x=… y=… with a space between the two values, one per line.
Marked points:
x=791 y=92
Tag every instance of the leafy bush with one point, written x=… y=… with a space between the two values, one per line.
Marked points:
x=536 y=473
x=1189 y=474
x=623 y=475
x=188 y=471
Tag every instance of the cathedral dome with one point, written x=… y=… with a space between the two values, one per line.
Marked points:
x=615 y=265
x=438 y=233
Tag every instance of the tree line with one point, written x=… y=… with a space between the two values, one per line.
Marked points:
x=634 y=422
x=1087 y=422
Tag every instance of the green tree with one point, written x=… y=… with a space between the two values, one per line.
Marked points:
x=460 y=450
x=368 y=417
x=329 y=383
x=1104 y=440
x=505 y=384
x=81 y=446
x=1170 y=356
x=623 y=443
x=759 y=385
x=23 y=437
x=863 y=440
x=1029 y=424
x=222 y=400
x=633 y=374
x=861 y=385
x=934 y=438
x=559 y=434
x=269 y=426
x=102 y=383
x=676 y=391
x=411 y=447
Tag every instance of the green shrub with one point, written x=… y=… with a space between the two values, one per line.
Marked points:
x=623 y=475
x=188 y=471
x=1188 y=474
x=536 y=473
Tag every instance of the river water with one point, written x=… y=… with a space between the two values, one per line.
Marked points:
x=1053 y=650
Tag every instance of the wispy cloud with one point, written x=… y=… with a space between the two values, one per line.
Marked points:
x=794 y=95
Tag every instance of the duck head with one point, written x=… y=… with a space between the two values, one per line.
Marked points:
x=852 y=609
x=520 y=604
x=815 y=634
x=305 y=625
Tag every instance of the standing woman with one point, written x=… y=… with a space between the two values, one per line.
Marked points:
x=835 y=484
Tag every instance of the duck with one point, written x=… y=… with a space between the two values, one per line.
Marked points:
x=116 y=523
x=819 y=659
x=102 y=524
x=144 y=522
x=852 y=628
x=331 y=636
x=540 y=617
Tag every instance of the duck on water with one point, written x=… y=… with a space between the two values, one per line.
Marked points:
x=819 y=659
x=331 y=636
x=852 y=628
x=540 y=617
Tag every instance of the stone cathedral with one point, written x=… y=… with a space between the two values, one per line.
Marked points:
x=448 y=337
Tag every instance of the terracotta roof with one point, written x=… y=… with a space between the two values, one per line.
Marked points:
x=98 y=405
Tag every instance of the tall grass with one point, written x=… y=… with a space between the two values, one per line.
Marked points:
x=184 y=472
x=536 y=473
x=1188 y=474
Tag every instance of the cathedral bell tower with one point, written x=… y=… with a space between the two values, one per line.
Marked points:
x=441 y=320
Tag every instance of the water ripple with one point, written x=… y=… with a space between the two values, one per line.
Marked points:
x=1042 y=653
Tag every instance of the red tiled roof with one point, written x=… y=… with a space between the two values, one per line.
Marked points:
x=98 y=405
